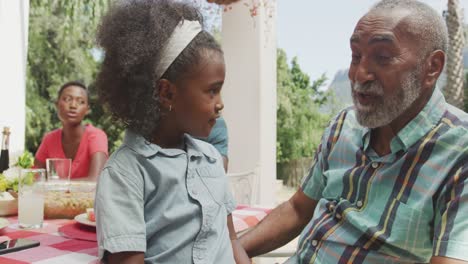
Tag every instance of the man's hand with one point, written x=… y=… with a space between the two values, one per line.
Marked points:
x=282 y=225
x=445 y=260
x=239 y=253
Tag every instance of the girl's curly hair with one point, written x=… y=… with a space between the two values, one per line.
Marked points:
x=132 y=34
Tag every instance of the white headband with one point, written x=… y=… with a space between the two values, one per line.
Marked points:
x=183 y=34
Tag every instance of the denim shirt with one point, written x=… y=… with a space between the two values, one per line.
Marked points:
x=169 y=203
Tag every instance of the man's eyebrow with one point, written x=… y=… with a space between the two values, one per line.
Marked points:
x=354 y=39
x=374 y=39
x=389 y=38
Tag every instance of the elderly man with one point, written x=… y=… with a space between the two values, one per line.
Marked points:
x=389 y=182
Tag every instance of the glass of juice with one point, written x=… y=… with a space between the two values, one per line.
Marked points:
x=31 y=191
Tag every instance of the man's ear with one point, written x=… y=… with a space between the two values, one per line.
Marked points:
x=165 y=93
x=434 y=65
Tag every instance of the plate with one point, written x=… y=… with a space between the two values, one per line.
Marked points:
x=83 y=219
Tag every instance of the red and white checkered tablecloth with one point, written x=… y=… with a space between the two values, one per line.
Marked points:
x=56 y=249
x=245 y=216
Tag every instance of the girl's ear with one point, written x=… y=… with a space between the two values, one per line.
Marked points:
x=165 y=93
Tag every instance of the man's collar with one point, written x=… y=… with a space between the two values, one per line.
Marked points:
x=147 y=149
x=417 y=127
x=426 y=120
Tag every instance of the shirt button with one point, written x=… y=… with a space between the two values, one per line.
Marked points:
x=338 y=216
x=375 y=165
x=314 y=243
x=359 y=204
x=194 y=193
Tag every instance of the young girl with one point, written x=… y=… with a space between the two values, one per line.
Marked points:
x=84 y=144
x=163 y=196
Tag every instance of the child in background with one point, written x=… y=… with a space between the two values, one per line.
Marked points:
x=220 y=140
x=84 y=144
x=163 y=195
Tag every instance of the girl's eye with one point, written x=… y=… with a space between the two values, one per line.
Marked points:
x=214 y=91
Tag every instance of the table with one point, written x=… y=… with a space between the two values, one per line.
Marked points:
x=56 y=249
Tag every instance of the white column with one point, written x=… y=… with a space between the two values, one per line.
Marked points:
x=14 y=16
x=249 y=93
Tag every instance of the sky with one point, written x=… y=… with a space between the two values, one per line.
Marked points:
x=318 y=32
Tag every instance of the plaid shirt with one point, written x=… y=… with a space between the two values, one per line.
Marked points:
x=403 y=207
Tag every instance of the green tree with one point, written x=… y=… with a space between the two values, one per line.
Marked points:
x=61 y=48
x=299 y=121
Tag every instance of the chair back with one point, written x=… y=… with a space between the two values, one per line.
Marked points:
x=243 y=186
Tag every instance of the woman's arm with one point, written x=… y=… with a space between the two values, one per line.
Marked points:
x=239 y=253
x=96 y=164
x=39 y=164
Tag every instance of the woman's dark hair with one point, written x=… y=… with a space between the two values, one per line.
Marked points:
x=72 y=83
x=133 y=34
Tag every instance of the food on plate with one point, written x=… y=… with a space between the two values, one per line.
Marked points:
x=90 y=214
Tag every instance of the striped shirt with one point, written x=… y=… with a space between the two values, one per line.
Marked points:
x=403 y=207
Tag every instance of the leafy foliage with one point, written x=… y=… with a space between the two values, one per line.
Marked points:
x=25 y=161
x=62 y=48
x=299 y=120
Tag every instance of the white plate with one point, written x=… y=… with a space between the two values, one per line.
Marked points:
x=83 y=219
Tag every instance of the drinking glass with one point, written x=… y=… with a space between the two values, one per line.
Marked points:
x=58 y=169
x=31 y=191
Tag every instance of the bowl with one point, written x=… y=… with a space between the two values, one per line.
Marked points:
x=9 y=207
x=67 y=200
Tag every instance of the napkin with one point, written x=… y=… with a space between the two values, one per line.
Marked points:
x=78 y=231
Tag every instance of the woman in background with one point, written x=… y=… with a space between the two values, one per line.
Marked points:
x=83 y=143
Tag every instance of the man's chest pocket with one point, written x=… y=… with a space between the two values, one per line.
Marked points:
x=214 y=179
x=411 y=231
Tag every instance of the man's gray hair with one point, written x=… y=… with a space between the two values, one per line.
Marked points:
x=425 y=23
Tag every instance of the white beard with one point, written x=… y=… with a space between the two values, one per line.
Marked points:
x=386 y=109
